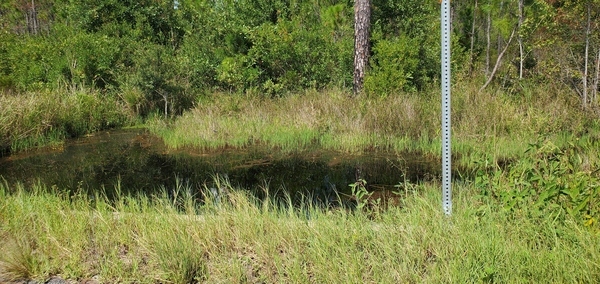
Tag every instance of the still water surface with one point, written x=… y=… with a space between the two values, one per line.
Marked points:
x=141 y=163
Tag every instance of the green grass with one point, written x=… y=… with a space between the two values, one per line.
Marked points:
x=149 y=239
x=166 y=239
x=35 y=119
x=493 y=123
x=498 y=124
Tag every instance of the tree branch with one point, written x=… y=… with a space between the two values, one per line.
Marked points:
x=498 y=61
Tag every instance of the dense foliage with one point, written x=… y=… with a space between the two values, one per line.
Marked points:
x=550 y=181
x=160 y=55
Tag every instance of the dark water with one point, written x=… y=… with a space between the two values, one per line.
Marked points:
x=141 y=163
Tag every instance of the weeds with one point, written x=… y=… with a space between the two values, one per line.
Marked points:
x=147 y=239
x=360 y=193
x=549 y=180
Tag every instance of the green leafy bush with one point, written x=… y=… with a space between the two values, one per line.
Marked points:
x=550 y=180
x=290 y=57
x=393 y=66
x=158 y=74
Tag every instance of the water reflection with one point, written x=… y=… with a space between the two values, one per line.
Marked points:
x=141 y=163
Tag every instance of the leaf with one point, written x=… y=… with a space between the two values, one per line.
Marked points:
x=572 y=192
x=582 y=204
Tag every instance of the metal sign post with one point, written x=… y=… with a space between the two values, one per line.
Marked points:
x=446 y=151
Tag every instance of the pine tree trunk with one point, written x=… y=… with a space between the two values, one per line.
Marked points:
x=489 y=43
x=362 y=21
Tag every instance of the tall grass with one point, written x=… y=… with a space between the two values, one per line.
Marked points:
x=496 y=123
x=40 y=118
x=151 y=239
x=493 y=123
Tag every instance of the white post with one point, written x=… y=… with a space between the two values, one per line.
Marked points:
x=446 y=149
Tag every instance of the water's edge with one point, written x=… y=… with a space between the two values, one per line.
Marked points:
x=140 y=162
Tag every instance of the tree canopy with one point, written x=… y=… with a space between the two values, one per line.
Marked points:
x=150 y=51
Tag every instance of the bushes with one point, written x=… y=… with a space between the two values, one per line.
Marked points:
x=72 y=59
x=268 y=47
x=393 y=66
x=290 y=57
x=158 y=75
x=30 y=61
x=550 y=180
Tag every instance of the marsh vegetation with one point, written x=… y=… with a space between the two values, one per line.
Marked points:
x=149 y=239
x=206 y=77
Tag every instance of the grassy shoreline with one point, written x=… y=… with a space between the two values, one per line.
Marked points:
x=148 y=239
x=523 y=223
x=488 y=125
x=492 y=125
x=46 y=118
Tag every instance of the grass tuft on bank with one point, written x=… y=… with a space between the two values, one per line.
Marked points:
x=497 y=124
x=175 y=238
x=34 y=119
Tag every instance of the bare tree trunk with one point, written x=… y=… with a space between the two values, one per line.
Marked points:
x=27 y=24
x=489 y=43
x=472 y=38
x=585 y=59
x=499 y=39
x=34 y=18
x=165 y=96
x=498 y=61
x=362 y=22
x=596 y=79
x=520 y=38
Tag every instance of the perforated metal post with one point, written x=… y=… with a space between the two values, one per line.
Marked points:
x=446 y=150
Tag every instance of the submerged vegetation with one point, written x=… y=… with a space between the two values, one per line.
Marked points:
x=237 y=238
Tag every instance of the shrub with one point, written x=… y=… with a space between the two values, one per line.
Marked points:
x=393 y=66
x=550 y=180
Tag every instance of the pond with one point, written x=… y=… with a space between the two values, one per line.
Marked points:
x=135 y=161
